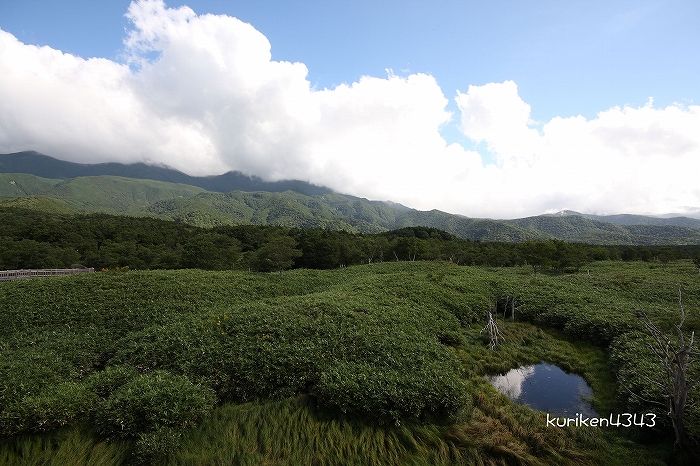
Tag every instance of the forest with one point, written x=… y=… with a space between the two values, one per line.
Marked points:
x=34 y=239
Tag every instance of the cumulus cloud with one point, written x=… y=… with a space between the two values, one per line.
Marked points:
x=202 y=94
x=641 y=160
x=496 y=114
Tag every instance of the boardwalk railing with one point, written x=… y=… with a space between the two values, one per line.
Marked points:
x=31 y=273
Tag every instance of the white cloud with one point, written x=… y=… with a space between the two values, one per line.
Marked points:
x=641 y=160
x=213 y=100
x=82 y=110
x=511 y=383
x=496 y=114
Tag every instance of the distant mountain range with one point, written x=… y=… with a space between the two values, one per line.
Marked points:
x=629 y=219
x=36 y=181
x=47 y=167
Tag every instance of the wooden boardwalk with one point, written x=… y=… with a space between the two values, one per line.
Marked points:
x=32 y=273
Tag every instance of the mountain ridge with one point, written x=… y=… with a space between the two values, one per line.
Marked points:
x=326 y=209
x=34 y=163
x=633 y=219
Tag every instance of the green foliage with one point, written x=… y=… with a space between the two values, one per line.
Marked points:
x=154 y=446
x=211 y=251
x=537 y=254
x=150 y=402
x=329 y=211
x=390 y=394
x=384 y=342
x=107 y=381
x=286 y=349
x=278 y=254
x=30 y=254
x=187 y=346
x=40 y=240
x=696 y=259
x=20 y=184
x=54 y=407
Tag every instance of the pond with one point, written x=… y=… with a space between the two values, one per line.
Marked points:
x=545 y=387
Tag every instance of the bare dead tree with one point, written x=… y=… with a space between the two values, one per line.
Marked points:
x=509 y=302
x=675 y=358
x=492 y=329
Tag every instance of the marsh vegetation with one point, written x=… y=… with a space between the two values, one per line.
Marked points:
x=375 y=364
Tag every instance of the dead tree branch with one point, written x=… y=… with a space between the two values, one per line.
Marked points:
x=675 y=357
x=492 y=329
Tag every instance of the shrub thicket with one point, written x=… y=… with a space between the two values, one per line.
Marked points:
x=154 y=408
x=376 y=341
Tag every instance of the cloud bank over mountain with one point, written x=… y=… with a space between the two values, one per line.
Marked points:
x=202 y=94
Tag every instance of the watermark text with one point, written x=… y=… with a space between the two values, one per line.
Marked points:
x=614 y=420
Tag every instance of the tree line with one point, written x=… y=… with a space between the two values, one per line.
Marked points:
x=31 y=239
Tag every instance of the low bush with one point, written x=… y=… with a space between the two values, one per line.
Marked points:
x=389 y=394
x=155 y=445
x=107 y=381
x=384 y=342
x=152 y=401
x=56 y=406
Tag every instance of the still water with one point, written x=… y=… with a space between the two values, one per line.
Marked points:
x=545 y=387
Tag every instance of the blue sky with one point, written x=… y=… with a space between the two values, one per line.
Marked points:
x=563 y=58
x=568 y=57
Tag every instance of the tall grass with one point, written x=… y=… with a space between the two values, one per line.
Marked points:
x=71 y=446
x=295 y=432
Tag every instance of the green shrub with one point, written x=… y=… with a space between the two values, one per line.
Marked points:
x=450 y=338
x=105 y=382
x=152 y=401
x=388 y=395
x=153 y=446
x=56 y=406
x=191 y=347
x=24 y=372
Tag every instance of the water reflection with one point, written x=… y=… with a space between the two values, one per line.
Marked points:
x=545 y=387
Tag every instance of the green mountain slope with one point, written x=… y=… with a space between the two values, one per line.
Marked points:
x=660 y=235
x=329 y=211
x=41 y=204
x=629 y=219
x=576 y=228
x=470 y=228
x=116 y=194
x=48 y=167
x=22 y=184
x=333 y=211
